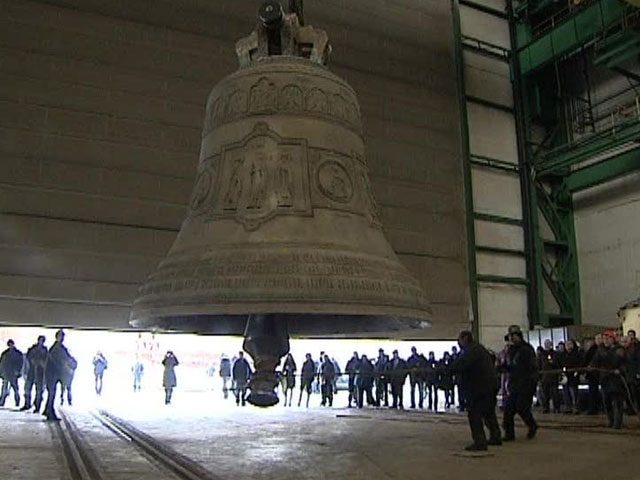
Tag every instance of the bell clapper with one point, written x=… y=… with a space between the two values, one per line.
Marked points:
x=266 y=339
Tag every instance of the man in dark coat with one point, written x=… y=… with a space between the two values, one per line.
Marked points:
x=548 y=365
x=571 y=362
x=593 y=377
x=417 y=365
x=522 y=369
x=10 y=370
x=169 y=379
x=59 y=362
x=609 y=360
x=307 y=375
x=241 y=375
x=37 y=359
x=431 y=381
x=327 y=376
x=474 y=367
x=364 y=381
x=382 y=380
x=351 y=369
x=397 y=375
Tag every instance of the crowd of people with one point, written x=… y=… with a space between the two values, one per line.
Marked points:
x=606 y=366
x=43 y=369
x=372 y=381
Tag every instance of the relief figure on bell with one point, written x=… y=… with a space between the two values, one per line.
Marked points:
x=284 y=184
x=263 y=96
x=291 y=98
x=235 y=186
x=317 y=101
x=257 y=185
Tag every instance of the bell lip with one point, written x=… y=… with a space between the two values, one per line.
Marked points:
x=303 y=309
x=309 y=325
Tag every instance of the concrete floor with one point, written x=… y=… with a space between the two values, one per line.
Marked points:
x=336 y=444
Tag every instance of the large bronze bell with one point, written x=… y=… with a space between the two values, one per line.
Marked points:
x=282 y=233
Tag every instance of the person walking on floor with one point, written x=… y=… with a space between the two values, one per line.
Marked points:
x=522 y=369
x=307 y=375
x=59 y=363
x=474 y=367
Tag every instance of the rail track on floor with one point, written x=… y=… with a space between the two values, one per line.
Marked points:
x=83 y=463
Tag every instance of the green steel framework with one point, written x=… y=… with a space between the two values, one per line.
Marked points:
x=548 y=175
x=551 y=174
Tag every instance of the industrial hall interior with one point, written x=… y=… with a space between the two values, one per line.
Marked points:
x=319 y=239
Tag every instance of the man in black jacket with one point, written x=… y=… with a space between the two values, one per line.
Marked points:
x=431 y=381
x=351 y=370
x=593 y=377
x=37 y=359
x=417 y=364
x=241 y=375
x=522 y=370
x=548 y=365
x=10 y=370
x=307 y=374
x=397 y=375
x=364 y=381
x=479 y=385
x=59 y=362
x=382 y=380
x=609 y=361
x=327 y=375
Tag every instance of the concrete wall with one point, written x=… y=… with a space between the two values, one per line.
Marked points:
x=101 y=105
x=608 y=238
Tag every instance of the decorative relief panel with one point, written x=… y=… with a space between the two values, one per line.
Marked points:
x=261 y=177
x=334 y=181
x=237 y=105
x=263 y=96
x=317 y=101
x=291 y=98
x=200 y=201
x=371 y=205
x=267 y=96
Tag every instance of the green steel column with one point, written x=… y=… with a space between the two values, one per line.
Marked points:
x=532 y=244
x=466 y=169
